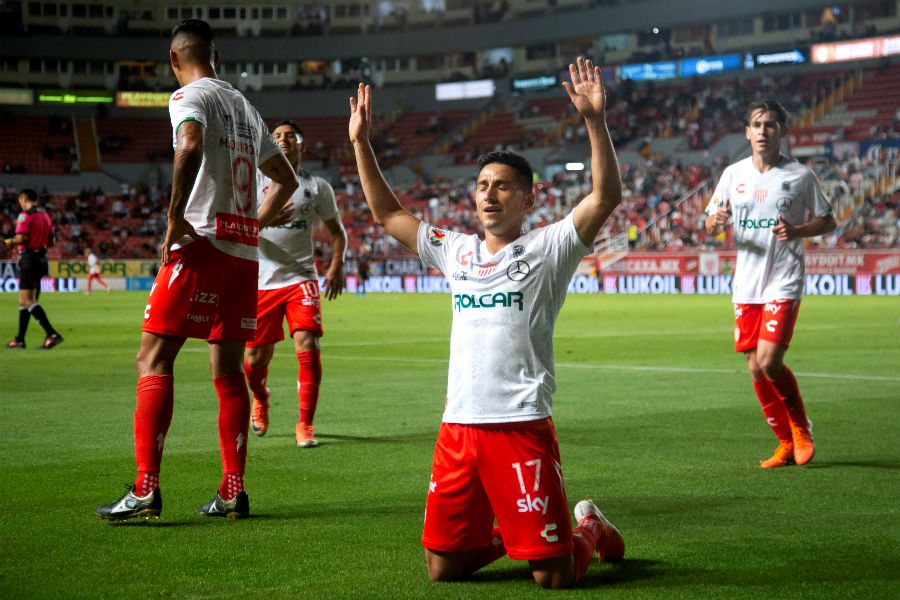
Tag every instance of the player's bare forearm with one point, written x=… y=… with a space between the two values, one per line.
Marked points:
x=784 y=231
x=386 y=208
x=334 y=277
x=606 y=194
x=817 y=226
x=17 y=239
x=338 y=245
x=276 y=207
x=185 y=167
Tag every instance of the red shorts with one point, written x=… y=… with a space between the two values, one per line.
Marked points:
x=203 y=293
x=773 y=322
x=300 y=303
x=510 y=471
x=92 y=276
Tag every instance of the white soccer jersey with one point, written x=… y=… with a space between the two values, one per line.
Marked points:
x=504 y=309
x=766 y=268
x=94 y=267
x=286 y=251
x=222 y=206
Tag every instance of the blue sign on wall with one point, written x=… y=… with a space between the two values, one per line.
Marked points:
x=648 y=71
x=707 y=65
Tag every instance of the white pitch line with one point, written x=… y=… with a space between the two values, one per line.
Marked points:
x=640 y=368
x=632 y=368
x=599 y=334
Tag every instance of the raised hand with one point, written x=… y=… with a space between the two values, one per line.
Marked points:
x=360 y=113
x=586 y=90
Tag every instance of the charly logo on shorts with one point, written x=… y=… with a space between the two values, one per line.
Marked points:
x=248 y=323
x=518 y=270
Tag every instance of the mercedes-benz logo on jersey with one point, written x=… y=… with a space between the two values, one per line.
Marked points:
x=518 y=270
x=784 y=204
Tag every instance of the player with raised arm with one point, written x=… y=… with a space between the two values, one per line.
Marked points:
x=206 y=287
x=774 y=202
x=496 y=454
x=289 y=288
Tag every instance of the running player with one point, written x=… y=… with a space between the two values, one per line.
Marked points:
x=771 y=198
x=289 y=287
x=34 y=234
x=93 y=270
x=206 y=287
x=497 y=454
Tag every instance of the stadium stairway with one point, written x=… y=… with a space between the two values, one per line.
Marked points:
x=86 y=144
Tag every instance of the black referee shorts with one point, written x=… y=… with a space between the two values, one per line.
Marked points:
x=32 y=267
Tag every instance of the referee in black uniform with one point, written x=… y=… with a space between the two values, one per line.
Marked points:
x=34 y=234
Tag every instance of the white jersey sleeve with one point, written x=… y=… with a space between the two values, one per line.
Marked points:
x=816 y=202
x=720 y=197
x=266 y=143
x=326 y=205
x=434 y=244
x=186 y=106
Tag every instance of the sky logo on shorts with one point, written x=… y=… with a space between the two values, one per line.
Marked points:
x=436 y=236
x=536 y=504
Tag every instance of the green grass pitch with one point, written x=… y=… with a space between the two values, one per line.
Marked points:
x=656 y=417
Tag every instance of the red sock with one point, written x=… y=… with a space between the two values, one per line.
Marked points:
x=89 y=291
x=773 y=409
x=152 y=417
x=785 y=385
x=256 y=379
x=234 y=419
x=585 y=537
x=103 y=283
x=309 y=377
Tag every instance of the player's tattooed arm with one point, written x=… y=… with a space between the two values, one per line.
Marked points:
x=186 y=166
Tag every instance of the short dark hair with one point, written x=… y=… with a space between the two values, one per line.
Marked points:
x=290 y=123
x=768 y=105
x=195 y=27
x=30 y=194
x=201 y=48
x=518 y=162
